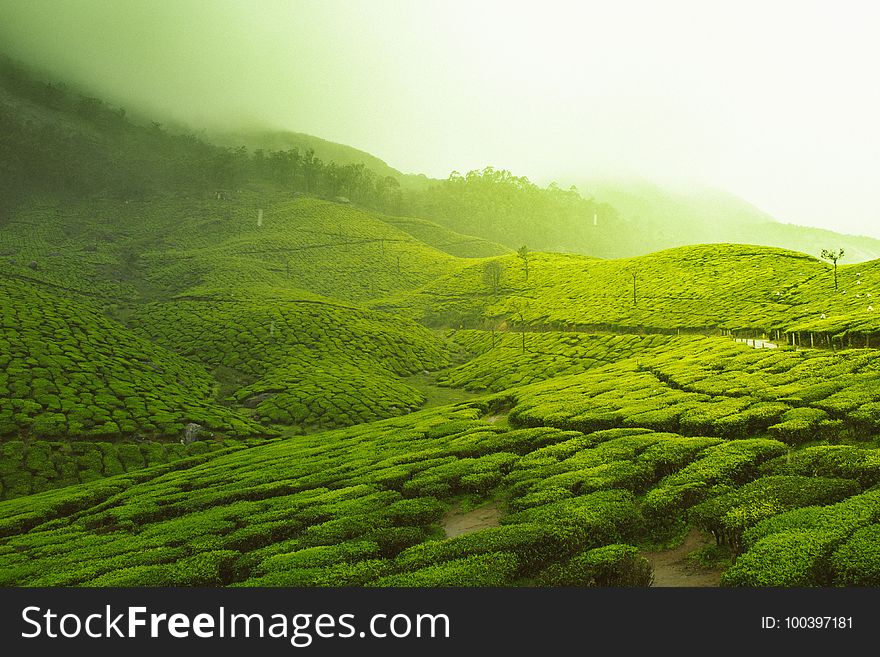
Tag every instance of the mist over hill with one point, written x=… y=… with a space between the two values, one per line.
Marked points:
x=668 y=217
x=92 y=145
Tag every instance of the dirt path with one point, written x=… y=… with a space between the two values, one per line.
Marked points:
x=672 y=569
x=455 y=522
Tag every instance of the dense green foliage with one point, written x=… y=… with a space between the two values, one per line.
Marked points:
x=511 y=210
x=34 y=466
x=747 y=290
x=69 y=371
x=215 y=370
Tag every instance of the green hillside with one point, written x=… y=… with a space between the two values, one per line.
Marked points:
x=283 y=140
x=710 y=288
x=364 y=506
x=68 y=371
x=216 y=371
x=300 y=363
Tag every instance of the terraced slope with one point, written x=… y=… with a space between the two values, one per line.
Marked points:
x=303 y=363
x=211 y=281
x=580 y=488
x=505 y=359
x=444 y=239
x=327 y=248
x=699 y=288
x=196 y=246
x=714 y=386
x=70 y=372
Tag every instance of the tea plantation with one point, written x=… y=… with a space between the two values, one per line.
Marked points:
x=361 y=506
x=68 y=371
x=707 y=289
x=593 y=443
x=216 y=369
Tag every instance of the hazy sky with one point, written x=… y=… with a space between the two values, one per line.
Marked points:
x=777 y=102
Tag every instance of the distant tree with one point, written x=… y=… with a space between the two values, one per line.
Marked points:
x=492 y=272
x=524 y=254
x=833 y=256
x=519 y=308
x=311 y=167
x=490 y=324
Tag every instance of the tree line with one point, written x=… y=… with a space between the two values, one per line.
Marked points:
x=84 y=146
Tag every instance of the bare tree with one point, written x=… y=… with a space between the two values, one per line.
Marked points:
x=833 y=256
x=519 y=307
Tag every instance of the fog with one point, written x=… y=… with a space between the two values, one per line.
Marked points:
x=776 y=102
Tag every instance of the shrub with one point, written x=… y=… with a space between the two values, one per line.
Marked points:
x=494 y=569
x=534 y=545
x=610 y=565
x=857 y=562
x=728 y=515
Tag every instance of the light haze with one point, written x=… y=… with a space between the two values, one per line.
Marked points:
x=776 y=102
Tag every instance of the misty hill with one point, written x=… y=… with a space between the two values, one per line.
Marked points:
x=612 y=219
x=281 y=140
x=666 y=218
x=61 y=141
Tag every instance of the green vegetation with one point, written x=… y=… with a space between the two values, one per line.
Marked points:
x=70 y=372
x=220 y=367
x=36 y=465
x=744 y=290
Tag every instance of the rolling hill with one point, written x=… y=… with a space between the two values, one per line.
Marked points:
x=216 y=372
x=710 y=289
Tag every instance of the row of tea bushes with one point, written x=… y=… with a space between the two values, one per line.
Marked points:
x=500 y=362
x=66 y=370
x=713 y=386
x=831 y=391
x=35 y=466
x=335 y=394
x=67 y=248
x=303 y=363
x=362 y=506
x=254 y=337
x=356 y=506
x=836 y=461
x=730 y=514
x=813 y=546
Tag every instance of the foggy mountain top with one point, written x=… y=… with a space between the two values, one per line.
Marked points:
x=768 y=101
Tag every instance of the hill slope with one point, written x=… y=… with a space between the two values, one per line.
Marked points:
x=283 y=140
x=365 y=374
x=667 y=218
x=695 y=288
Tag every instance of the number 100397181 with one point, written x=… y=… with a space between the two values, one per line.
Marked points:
x=807 y=623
